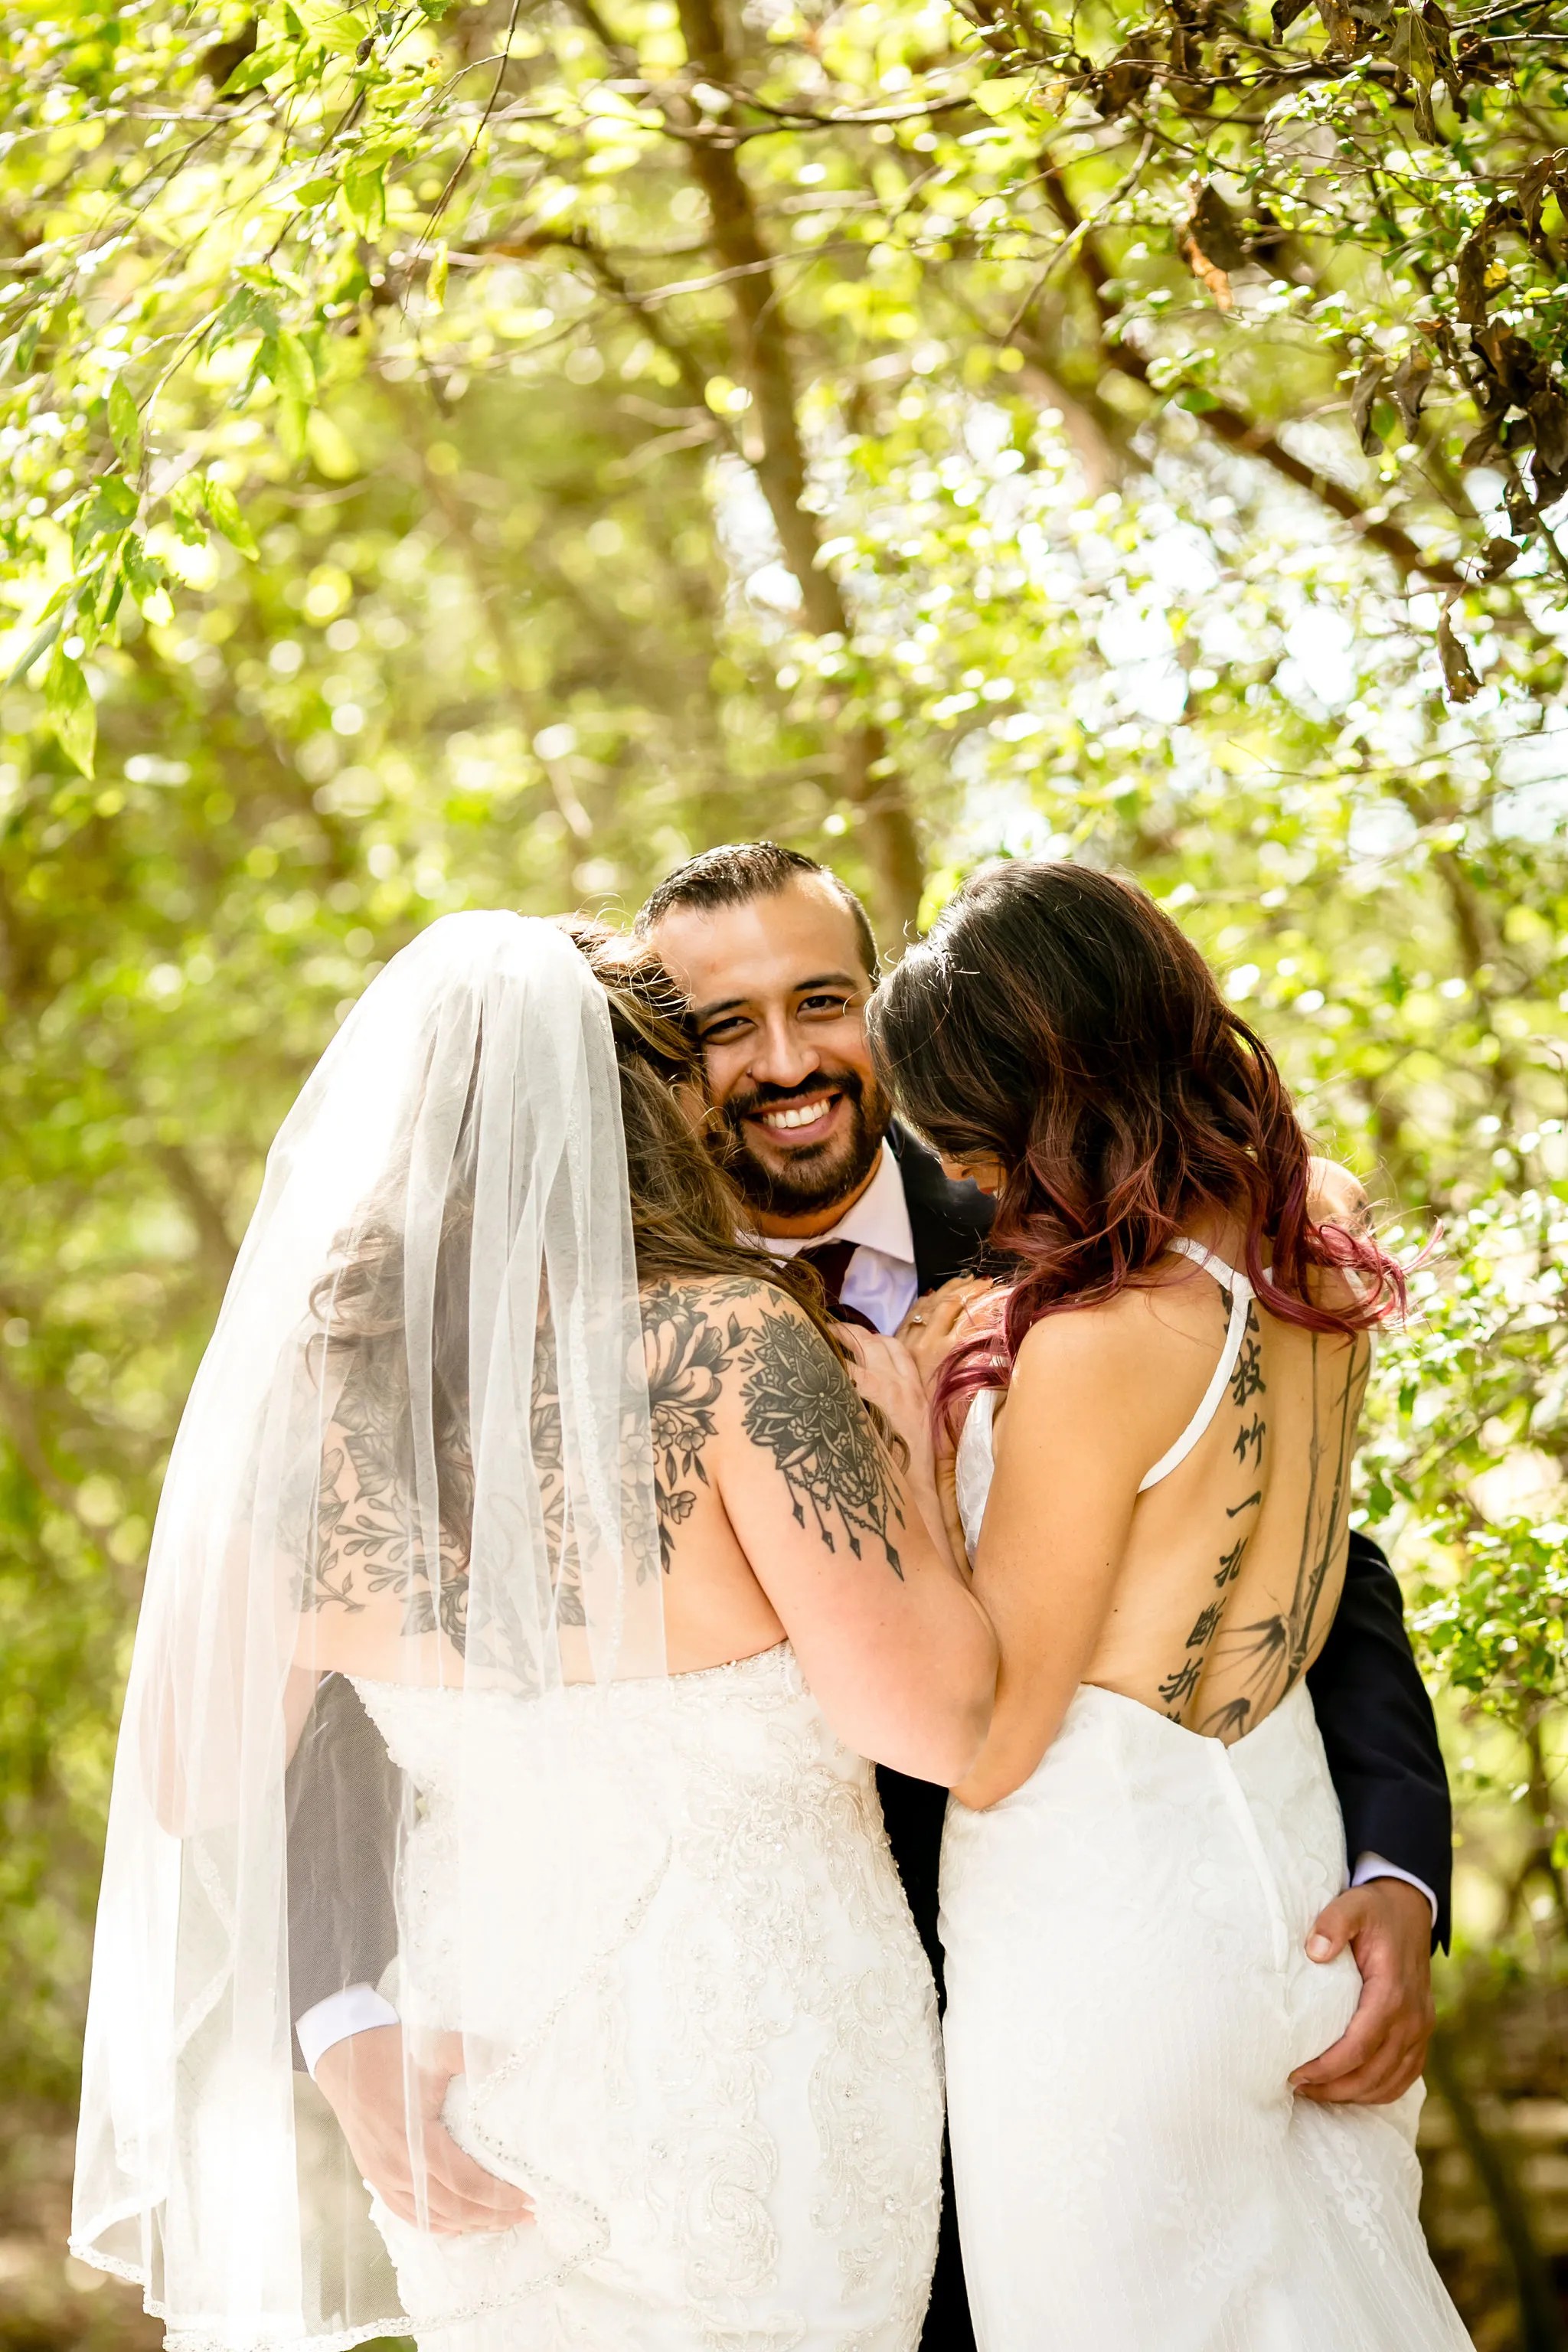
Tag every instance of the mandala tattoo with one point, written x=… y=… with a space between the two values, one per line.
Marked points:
x=801 y=1407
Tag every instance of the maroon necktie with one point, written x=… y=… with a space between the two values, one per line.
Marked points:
x=831 y=1260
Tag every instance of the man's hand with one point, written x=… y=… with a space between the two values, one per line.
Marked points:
x=386 y=2094
x=1388 y=1926
x=936 y=1322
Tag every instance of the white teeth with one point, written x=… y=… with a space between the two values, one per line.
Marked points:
x=802 y=1114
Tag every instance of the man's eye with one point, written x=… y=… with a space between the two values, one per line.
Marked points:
x=723 y=1032
x=833 y=1006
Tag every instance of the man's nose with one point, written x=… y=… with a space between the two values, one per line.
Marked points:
x=783 y=1057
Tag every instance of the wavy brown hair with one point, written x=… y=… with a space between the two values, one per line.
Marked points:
x=1057 y=1020
x=685 y=1217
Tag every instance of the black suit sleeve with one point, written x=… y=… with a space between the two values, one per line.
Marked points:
x=344 y=1798
x=1380 y=1734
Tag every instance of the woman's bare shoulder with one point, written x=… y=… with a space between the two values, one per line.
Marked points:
x=1107 y=1341
x=721 y=1299
x=705 y=1336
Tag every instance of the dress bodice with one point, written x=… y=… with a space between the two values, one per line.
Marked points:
x=973 y=1466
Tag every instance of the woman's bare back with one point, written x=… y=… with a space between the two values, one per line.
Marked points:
x=1235 y=1561
x=1169 y=1517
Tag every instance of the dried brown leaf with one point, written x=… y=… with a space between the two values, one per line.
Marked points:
x=1459 y=680
x=1516 y=370
x=1368 y=384
x=1475 y=260
x=1126 y=79
x=1415 y=62
x=1216 y=229
x=1344 y=33
x=1548 y=414
x=1409 y=385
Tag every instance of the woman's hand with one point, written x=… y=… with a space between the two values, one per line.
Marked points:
x=938 y=1321
x=888 y=1377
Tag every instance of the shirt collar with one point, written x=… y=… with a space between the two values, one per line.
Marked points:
x=878 y=1220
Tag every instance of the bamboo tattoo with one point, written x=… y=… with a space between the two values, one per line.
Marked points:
x=1247 y=1384
x=1271 y=1653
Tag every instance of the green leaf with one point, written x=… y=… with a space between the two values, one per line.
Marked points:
x=39 y=646
x=253 y=70
x=110 y=510
x=336 y=27
x=1003 y=93
x=71 y=714
x=292 y=371
x=185 y=503
x=435 y=282
x=223 y=508
x=125 y=424
x=363 y=198
x=293 y=418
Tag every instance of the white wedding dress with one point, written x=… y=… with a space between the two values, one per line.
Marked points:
x=712 y=2030
x=1128 y=1992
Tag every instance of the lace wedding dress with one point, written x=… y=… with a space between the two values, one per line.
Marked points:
x=1127 y=1995
x=720 y=2071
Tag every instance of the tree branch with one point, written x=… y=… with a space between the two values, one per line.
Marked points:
x=1241 y=433
x=764 y=364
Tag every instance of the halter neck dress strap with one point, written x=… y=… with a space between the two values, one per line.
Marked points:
x=1241 y=1296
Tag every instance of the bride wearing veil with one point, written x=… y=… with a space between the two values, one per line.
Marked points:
x=501 y=1423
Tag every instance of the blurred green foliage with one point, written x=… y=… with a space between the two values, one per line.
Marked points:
x=477 y=457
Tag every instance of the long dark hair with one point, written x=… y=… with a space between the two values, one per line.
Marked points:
x=1057 y=1020
x=684 y=1215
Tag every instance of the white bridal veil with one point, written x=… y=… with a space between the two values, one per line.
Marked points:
x=416 y=1454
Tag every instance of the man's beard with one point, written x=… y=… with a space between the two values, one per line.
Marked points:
x=823 y=1174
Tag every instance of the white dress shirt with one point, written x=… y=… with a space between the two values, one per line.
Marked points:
x=880 y=1281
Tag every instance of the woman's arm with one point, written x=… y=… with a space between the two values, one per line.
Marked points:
x=1078 y=1432
x=896 y=1651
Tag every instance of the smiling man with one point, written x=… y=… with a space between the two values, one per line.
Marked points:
x=778 y=959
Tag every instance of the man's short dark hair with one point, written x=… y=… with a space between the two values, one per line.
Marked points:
x=743 y=870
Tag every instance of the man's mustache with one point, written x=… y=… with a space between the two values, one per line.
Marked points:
x=738 y=1106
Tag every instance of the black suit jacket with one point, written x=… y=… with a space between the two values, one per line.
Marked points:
x=347 y=1799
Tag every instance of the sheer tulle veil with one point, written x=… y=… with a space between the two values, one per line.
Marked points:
x=416 y=1452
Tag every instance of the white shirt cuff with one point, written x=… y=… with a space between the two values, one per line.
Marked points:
x=1373 y=1865
x=354 y=2011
